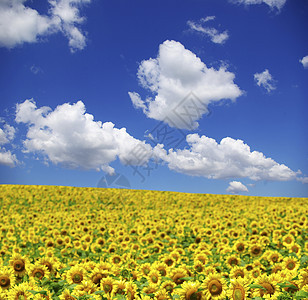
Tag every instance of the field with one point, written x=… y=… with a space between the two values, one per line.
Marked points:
x=87 y=243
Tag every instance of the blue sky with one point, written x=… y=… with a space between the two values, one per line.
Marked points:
x=88 y=88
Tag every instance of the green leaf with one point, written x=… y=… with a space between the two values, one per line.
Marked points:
x=187 y=278
x=301 y=295
x=287 y=284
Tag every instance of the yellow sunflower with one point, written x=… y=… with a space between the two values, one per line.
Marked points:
x=154 y=277
x=270 y=287
x=238 y=289
x=75 y=275
x=86 y=288
x=130 y=290
x=66 y=295
x=19 y=264
x=190 y=291
x=38 y=271
x=107 y=285
x=214 y=287
x=7 y=278
x=290 y=263
x=237 y=272
x=20 y=291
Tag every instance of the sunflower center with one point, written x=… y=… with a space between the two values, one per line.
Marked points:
x=199 y=269
x=177 y=278
x=238 y=294
x=275 y=258
x=77 y=278
x=4 y=281
x=19 y=265
x=192 y=295
x=256 y=250
x=107 y=287
x=240 y=247
x=239 y=273
x=21 y=296
x=48 y=265
x=291 y=265
x=146 y=271
x=116 y=260
x=169 y=262
x=162 y=272
x=97 y=278
x=269 y=289
x=169 y=288
x=39 y=274
x=215 y=287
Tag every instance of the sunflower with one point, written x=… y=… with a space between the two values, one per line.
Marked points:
x=233 y=261
x=290 y=263
x=20 y=291
x=269 y=284
x=168 y=285
x=274 y=257
x=19 y=264
x=237 y=272
x=75 y=275
x=38 y=271
x=198 y=266
x=97 y=275
x=154 y=277
x=240 y=247
x=119 y=287
x=190 y=291
x=177 y=274
x=145 y=269
x=255 y=250
x=214 y=287
x=130 y=290
x=161 y=268
x=85 y=288
x=7 y=278
x=303 y=277
x=107 y=285
x=161 y=294
x=66 y=295
x=238 y=289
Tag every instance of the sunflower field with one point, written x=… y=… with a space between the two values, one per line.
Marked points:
x=90 y=243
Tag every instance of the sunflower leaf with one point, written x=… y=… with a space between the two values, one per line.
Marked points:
x=257 y=286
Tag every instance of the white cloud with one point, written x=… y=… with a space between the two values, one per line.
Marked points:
x=236 y=187
x=303 y=179
x=7 y=158
x=278 y=4
x=182 y=85
x=20 y=23
x=7 y=134
x=304 y=61
x=228 y=159
x=216 y=36
x=265 y=80
x=69 y=136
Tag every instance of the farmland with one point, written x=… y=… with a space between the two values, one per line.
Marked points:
x=88 y=243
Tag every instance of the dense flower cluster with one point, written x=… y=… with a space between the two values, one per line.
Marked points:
x=88 y=243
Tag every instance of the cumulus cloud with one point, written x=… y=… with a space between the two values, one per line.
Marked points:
x=236 y=187
x=304 y=61
x=278 y=4
x=69 y=136
x=228 y=159
x=265 y=80
x=181 y=86
x=216 y=36
x=20 y=23
x=7 y=134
